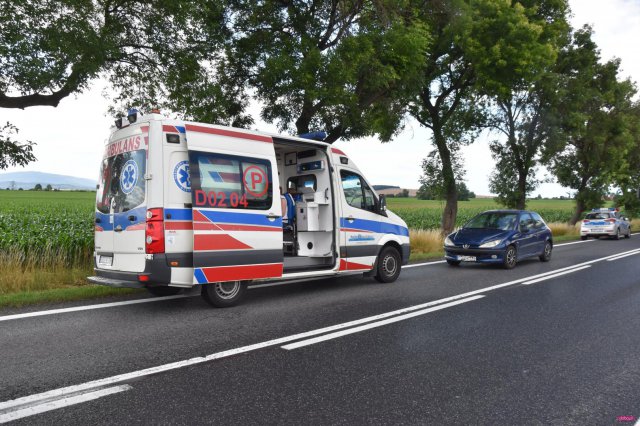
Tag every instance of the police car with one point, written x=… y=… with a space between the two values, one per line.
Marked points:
x=605 y=222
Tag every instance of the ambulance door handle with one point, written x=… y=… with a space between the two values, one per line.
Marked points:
x=118 y=228
x=350 y=219
x=98 y=220
x=131 y=218
x=272 y=217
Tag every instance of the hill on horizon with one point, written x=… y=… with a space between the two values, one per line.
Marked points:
x=28 y=180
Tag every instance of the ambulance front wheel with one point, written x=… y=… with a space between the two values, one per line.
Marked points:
x=224 y=295
x=388 y=265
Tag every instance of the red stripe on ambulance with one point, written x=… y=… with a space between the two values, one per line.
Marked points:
x=216 y=242
x=229 y=133
x=243 y=272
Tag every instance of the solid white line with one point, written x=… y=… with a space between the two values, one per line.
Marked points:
x=624 y=255
x=415 y=265
x=90 y=307
x=548 y=277
x=59 y=403
x=369 y=326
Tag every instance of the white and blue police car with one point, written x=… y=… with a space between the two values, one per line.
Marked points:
x=605 y=222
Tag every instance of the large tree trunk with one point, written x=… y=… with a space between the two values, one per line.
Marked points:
x=580 y=207
x=451 y=194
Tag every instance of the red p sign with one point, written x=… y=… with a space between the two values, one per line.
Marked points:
x=255 y=181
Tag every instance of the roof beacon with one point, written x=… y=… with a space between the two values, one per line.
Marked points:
x=316 y=136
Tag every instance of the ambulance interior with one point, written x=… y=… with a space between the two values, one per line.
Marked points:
x=308 y=233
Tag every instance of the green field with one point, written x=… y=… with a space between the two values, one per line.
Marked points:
x=46 y=228
x=427 y=214
x=46 y=239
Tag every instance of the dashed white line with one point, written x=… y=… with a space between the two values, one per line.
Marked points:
x=548 y=277
x=369 y=326
x=624 y=255
x=55 y=404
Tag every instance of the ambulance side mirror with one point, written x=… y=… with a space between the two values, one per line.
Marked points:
x=383 y=203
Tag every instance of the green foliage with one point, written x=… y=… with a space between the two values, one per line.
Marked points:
x=432 y=181
x=38 y=187
x=13 y=153
x=343 y=66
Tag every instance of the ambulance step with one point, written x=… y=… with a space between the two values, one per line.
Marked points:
x=111 y=282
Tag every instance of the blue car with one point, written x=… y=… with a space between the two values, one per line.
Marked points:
x=500 y=236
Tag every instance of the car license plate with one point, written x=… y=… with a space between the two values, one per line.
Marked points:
x=467 y=258
x=105 y=260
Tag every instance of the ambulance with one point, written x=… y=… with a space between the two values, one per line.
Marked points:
x=182 y=204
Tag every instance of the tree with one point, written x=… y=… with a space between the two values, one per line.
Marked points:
x=464 y=194
x=13 y=153
x=38 y=187
x=524 y=108
x=404 y=193
x=49 y=187
x=431 y=182
x=476 y=45
x=342 y=66
x=596 y=122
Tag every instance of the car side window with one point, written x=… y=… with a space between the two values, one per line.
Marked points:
x=526 y=221
x=538 y=223
x=357 y=192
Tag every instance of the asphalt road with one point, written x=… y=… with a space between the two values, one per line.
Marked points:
x=496 y=350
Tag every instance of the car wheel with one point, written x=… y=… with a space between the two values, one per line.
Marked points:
x=617 y=236
x=224 y=295
x=584 y=238
x=164 y=291
x=388 y=265
x=453 y=262
x=546 y=253
x=510 y=258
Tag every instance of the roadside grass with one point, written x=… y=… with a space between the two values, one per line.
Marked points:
x=64 y=294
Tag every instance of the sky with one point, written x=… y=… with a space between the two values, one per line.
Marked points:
x=70 y=138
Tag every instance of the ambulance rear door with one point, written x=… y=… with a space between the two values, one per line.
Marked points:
x=237 y=212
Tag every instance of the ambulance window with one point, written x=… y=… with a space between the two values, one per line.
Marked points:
x=304 y=181
x=230 y=182
x=357 y=192
x=122 y=184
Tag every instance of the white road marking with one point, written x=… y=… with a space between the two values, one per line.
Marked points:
x=574 y=242
x=90 y=307
x=415 y=265
x=624 y=255
x=369 y=326
x=32 y=410
x=548 y=277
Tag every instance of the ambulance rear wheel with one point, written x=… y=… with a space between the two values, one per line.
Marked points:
x=164 y=291
x=388 y=265
x=224 y=295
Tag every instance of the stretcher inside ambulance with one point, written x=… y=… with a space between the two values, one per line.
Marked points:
x=182 y=204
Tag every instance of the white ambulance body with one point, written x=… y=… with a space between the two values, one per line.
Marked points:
x=182 y=204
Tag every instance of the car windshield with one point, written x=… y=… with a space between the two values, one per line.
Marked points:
x=493 y=220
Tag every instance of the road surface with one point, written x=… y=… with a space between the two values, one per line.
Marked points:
x=552 y=343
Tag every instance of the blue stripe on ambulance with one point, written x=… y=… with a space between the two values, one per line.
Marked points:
x=241 y=218
x=178 y=214
x=374 y=226
x=199 y=276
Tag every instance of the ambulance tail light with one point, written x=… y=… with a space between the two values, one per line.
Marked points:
x=586 y=221
x=610 y=220
x=154 y=233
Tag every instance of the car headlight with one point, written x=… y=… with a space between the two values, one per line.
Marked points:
x=448 y=242
x=491 y=244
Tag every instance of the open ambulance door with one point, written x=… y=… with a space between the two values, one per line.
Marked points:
x=237 y=213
